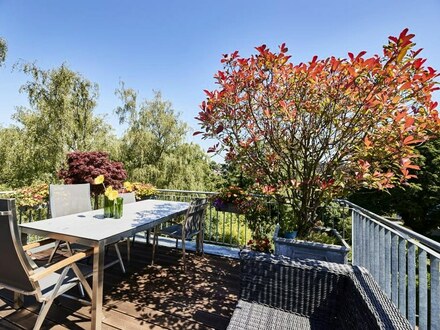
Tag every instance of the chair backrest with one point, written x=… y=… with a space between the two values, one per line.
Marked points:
x=128 y=197
x=195 y=216
x=15 y=269
x=69 y=199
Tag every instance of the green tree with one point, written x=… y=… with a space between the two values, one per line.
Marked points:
x=153 y=147
x=16 y=156
x=418 y=203
x=59 y=120
x=3 y=50
x=154 y=128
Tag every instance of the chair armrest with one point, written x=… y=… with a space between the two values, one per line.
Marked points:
x=30 y=246
x=308 y=287
x=318 y=289
x=367 y=303
x=60 y=264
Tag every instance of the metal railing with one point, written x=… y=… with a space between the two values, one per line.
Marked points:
x=222 y=228
x=403 y=262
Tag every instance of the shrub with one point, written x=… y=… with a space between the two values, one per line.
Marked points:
x=84 y=167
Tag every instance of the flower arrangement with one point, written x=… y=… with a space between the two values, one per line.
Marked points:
x=112 y=203
x=109 y=191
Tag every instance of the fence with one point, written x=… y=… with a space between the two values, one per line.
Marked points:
x=221 y=227
x=403 y=262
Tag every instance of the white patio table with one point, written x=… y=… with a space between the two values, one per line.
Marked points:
x=92 y=229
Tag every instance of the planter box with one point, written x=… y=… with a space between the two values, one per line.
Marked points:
x=228 y=208
x=311 y=250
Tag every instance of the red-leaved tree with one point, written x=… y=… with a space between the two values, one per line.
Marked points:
x=309 y=132
x=84 y=167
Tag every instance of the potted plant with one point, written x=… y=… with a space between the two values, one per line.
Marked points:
x=310 y=132
x=143 y=190
x=231 y=199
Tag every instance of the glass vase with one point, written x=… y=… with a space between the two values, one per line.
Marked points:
x=109 y=207
x=119 y=207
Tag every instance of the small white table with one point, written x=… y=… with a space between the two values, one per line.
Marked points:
x=92 y=229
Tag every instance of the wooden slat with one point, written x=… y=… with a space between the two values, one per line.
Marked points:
x=5 y=325
x=38 y=244
x=59 y=265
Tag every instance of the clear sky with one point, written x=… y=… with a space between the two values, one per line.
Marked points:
x=176 y=46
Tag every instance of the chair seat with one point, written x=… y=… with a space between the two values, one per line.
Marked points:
x=175 y=231
x=48 y=283
x=254 y=316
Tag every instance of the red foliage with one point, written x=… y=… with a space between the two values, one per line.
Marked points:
x=315 y=130
x=83 y=167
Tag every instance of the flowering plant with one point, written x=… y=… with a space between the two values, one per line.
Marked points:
x=109 y=192
x=143 y=190
x=231 y=194
x=260 y=244
x=34 y=196
x=128 y=186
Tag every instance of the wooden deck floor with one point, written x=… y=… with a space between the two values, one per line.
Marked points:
x=146 y=297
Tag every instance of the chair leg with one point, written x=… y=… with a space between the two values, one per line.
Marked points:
x=183 y=255
x=83 y=282
x=147 y=236
x=46 y=304
x=198 y=243
x=81 y=289
x=128 y=248
x=202 y=238
x=18 y=300
x=119 y=257
x=57 y=245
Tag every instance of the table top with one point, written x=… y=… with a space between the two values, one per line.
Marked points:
x=91 y=228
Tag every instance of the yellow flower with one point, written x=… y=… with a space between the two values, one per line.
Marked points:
x=111 y=193
x=128 y=186
x=99 y=179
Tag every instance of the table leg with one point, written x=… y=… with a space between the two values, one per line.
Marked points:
x=97 y=290
x=18 y=300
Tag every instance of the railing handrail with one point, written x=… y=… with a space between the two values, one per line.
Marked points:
x=201 y=192
x=187 y=191
x=408 y=232
x=7 y=192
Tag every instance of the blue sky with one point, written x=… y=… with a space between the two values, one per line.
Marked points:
x=176 y=46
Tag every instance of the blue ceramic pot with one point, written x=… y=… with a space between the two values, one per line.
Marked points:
x=291 y=235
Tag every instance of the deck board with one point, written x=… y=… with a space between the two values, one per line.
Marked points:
x=159 y=296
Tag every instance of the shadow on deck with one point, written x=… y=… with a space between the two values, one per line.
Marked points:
x=146 y=297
